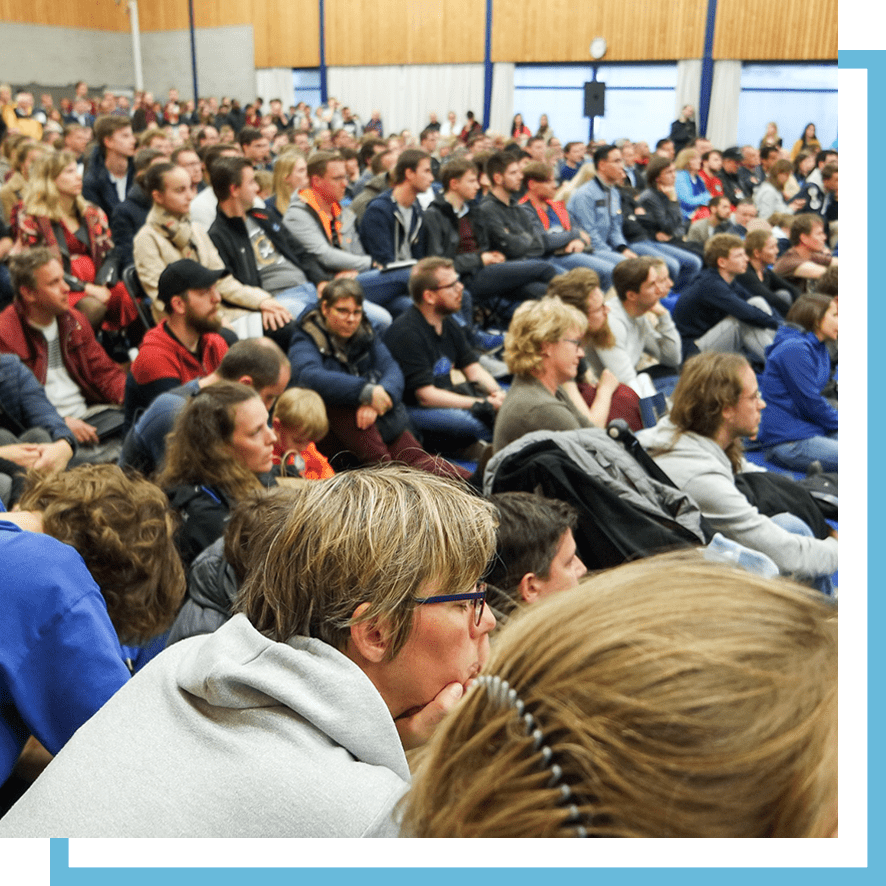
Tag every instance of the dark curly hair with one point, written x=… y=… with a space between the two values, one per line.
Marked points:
x=122 y=527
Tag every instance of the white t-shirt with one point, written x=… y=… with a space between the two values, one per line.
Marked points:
x=61 y=389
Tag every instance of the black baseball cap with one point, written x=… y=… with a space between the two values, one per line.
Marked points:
x=733 y=154
x=183 y=275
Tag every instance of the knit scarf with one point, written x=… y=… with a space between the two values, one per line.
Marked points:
x=176 y=230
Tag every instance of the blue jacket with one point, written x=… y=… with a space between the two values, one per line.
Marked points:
x=382 y=233
x=798 y=366
x=23 y=402
x=340 y=377
x=127 y=219
x=706 y=301
x=598 y=210
x=60 y=659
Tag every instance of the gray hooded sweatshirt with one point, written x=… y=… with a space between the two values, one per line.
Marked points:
x=227 y=735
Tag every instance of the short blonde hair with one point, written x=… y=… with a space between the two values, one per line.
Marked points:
x=674 y=697
x=535 y=323
x=302 y=409
x=380 y=535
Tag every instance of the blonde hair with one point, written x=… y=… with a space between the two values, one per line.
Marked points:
x=535 y=323
x=302 y=409
x=674 y=697
x=283 y=166
x=41 y=196
x=682 y=159
x=381 y=535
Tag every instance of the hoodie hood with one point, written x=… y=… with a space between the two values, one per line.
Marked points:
x=238 y=668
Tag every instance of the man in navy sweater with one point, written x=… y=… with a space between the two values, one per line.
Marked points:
x=714 y=313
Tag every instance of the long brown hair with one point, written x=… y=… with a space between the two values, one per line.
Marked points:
x=198 y=448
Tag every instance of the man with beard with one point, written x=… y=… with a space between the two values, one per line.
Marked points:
x=186 y=345
x=640 y=324
x=447 y=390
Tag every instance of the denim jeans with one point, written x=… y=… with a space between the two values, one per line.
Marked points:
x=794 y=524
x=798 y=455
x=458 y=422
x=596 y=263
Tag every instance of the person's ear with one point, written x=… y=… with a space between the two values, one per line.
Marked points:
x=369 y=638
x=245 y=380
x=528 y=588
x=178 y=304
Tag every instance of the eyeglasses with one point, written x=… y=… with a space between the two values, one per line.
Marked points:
x=477 y=596
x=755 y=396
x=573 y=341
x=452 y=285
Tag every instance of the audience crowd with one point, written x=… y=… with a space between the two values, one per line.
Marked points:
x=257 y=366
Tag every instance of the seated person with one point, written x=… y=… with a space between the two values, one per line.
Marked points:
x=717 y=222
x=392 y=229
x=759 y=279
x=641 y=326
x=662 y=219
x=169 y=235
x=332 y=666
x=256 y=362
x=799 y=425
x=57 y=344
x=218 y=573
x=716 y=404
x=595 y=390
x=808 y=257
x=446 y=391
x=543 y=348
x=315 y=221
x=456 y=231
x=299 y=418
x=567 y=244
x=220 y=449
x=130 y=215
x=600 y=702
x=32 y=433
x=714 y=313
x=55 y=215
x=256 y=248
x=336 y=353
x=88 y=564
x=186 y=345
x=534 y=551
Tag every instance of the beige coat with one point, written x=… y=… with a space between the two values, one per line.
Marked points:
x=153 y=251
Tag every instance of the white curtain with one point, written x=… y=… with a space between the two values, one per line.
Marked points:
x=501 y=112
x=688 y=90
x=275 y=83
x=725 y=93
x=406 y=94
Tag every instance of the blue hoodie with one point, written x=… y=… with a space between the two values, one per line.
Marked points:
x=798 y=366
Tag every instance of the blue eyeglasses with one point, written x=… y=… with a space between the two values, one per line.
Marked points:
x=477 y=596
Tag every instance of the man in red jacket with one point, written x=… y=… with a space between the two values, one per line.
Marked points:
x=57 y=344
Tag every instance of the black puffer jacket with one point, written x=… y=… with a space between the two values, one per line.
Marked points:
x=212 y=586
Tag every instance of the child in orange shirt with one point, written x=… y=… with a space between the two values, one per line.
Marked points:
x=299 y=419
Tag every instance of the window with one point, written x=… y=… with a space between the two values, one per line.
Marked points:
x=639 y=99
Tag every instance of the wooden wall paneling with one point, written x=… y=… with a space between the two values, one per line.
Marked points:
x=287 y=33
x=790 y=29
x=398 y=32
x=172 y=15
x=100 y=15
x=561 y=30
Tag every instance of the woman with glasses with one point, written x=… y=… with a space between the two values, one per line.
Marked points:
x=543 y=349
x=336 y=353
x=360 y=625
x=671 y=697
